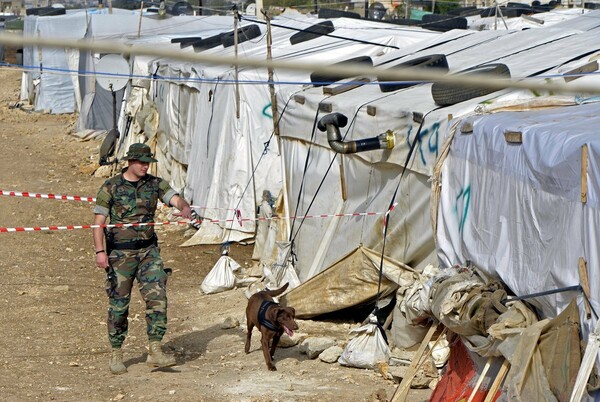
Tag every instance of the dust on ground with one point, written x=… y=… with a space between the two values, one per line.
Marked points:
x=54 y=344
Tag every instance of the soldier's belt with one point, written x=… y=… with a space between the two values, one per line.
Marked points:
x=135 y=245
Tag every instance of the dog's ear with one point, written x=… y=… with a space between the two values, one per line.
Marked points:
x=293 y=311
x=273 y=313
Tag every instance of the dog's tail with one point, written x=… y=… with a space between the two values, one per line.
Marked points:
x=277 y=292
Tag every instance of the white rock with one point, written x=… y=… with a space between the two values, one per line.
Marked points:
x=314 y=346
x=331 y=354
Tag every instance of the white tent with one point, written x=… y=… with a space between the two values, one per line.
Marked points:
x=365 y=182
x=198 y=124
x=96 y=108
x=48 y=82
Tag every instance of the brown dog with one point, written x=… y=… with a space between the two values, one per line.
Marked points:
x=272 y=321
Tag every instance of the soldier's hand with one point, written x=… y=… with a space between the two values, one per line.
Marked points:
x=102 y=260
x=186 y=212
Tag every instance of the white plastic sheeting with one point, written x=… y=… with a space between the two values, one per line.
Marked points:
x=515 y=210
x=49 y=67
x=538 y=20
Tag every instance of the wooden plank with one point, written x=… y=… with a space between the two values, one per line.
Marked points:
x=344 y=86
x=488 y=363
x=587 y=364
x=325 y=107
x=513 y=137
x=402 y=390
x=584 y=169
x=585 y=286
x=586 y=68
x=497 y=381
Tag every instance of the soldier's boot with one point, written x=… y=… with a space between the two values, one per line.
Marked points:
x=156 y=357
x=116 y=365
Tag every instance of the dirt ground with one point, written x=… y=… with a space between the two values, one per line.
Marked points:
x=54 y=343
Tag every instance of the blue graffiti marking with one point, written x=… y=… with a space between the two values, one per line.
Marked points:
x=432 y=142
x=465 y=194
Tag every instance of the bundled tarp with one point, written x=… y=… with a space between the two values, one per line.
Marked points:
x=359 y=271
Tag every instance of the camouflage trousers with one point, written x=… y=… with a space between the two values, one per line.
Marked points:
x=147 y=267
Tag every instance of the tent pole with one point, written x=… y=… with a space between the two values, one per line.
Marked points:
x=270 y=75
x=140 y=21
x=235 y=44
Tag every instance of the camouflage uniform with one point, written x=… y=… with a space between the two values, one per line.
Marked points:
x=135 y=254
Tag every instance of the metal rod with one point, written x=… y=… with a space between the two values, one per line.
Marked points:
x=544 y=293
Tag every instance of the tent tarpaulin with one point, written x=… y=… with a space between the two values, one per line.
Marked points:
x=358 y=271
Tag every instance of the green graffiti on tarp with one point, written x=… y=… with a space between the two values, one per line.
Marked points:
x=465 y=195
x=267 y=111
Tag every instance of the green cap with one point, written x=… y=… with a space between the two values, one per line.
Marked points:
x=140 y=152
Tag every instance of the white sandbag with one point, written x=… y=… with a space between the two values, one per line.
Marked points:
x=221 y=277
x=367 y=348
x=282 y=271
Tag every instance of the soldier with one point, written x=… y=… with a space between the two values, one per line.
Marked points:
x=132 y=252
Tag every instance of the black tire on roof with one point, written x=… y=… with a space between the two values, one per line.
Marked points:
x=187 y=42
x=312 y=32
x=245 y=33
x=45 y=11
x=437 y=61
x=319 y=79
x=449 y=94
x=405 y=21
x=443 y=22
x=207 y=43
x=330 y=13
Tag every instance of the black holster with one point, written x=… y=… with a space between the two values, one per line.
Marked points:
x=110 y=241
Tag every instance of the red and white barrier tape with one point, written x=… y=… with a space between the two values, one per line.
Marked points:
x=88 y=199
x=47 y=196
x=124 y=225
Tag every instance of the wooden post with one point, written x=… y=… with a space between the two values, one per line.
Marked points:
x=497 y=381
x=584 y=168
x=140 y=21
x=235 y=44
x=270 y=76
x=488 y=363
x=402 y=390
x=585 y=286
x=587 y=364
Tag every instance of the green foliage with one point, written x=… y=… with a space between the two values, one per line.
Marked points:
x=443 y=7
x=299 y=4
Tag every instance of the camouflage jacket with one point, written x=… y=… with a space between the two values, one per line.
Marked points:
x=124 y=202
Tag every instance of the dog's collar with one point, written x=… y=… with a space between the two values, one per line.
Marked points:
x=262 y=311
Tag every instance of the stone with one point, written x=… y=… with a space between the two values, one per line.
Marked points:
x=331 y=354
x=313 y=347
x=230 y=322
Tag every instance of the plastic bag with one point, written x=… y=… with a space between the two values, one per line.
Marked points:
x=367 y=348
x=221 y=277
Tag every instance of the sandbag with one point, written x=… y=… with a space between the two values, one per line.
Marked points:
x=221 y=277
x=367 y=348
